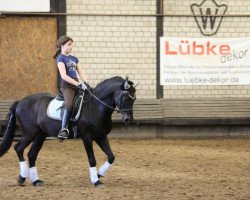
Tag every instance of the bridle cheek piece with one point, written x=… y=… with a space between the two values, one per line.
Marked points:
x=120 y=109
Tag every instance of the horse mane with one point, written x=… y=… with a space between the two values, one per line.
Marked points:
x=107 y=85
x=109 y=81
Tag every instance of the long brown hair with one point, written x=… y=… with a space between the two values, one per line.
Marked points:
x=61 y=41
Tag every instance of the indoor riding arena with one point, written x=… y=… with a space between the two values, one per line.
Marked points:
x=173 y=77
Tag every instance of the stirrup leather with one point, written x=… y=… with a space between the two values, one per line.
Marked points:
x=61 y=135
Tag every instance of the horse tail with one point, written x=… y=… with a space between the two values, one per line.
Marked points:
x=9 y=130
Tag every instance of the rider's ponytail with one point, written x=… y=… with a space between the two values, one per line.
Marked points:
x=58 y=51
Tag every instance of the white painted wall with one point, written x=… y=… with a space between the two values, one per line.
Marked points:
x=24 y=5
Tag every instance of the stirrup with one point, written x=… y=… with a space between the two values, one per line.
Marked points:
x=63 y=136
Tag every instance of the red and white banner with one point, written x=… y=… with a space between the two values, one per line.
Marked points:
x=205 y=61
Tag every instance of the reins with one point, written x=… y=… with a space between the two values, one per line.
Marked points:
x=114 y=109
x=103 y=102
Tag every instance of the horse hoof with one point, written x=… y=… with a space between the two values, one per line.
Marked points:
x=38 y=183
x=98 y=183
x=21 y=180
x=60 y=140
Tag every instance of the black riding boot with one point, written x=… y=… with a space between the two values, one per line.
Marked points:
x=63 y=134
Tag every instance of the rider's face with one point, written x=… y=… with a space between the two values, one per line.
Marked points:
x=67 y=47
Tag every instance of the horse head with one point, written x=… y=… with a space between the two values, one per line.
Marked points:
x=125 y=99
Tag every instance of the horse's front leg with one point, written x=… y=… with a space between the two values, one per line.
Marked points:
x=104 y=145
x=88 y=144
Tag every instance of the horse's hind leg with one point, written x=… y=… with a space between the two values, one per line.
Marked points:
x=104 y=145
x=32 y=155
x=24 y=170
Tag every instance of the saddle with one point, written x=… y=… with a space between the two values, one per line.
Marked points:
x=56 y=106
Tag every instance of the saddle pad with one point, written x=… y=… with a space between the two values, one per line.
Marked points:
x=54 y=109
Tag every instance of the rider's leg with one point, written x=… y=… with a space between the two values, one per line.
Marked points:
x=68 y=94
x=65 y=121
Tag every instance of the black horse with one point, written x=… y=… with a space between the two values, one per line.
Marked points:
x=94 y=124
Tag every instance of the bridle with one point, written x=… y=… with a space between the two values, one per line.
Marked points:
x=120 y=109
x=120 y=101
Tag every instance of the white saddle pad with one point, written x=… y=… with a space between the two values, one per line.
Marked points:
x=54 y=109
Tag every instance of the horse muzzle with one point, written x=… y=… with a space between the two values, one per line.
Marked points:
x=127 y=118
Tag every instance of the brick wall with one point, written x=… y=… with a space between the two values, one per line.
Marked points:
x=115 y=45
x=118 y=37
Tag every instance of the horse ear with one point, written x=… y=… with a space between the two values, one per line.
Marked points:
x=125 y=85
x=137 y=84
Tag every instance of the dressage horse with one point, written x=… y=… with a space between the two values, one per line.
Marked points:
x=94 y=124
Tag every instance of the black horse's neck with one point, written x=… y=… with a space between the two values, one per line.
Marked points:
x=108 y=87
x=105 y=90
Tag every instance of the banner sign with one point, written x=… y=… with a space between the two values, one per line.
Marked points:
x=205 y=61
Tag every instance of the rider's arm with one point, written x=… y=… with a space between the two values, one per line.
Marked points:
x=81 y=73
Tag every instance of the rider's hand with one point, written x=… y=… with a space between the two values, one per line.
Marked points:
x=87 y=84
x=82 y=86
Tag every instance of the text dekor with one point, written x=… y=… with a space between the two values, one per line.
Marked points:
x=233 y=56
x=193 y=48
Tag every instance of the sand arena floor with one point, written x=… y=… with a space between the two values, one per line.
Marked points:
x=143 y=169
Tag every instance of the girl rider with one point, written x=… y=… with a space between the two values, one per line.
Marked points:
x=68 y=67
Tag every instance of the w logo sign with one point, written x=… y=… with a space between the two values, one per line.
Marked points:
x=208 y=15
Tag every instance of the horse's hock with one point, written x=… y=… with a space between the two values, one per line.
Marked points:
x=163 y=118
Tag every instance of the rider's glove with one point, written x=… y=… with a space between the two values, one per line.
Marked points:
x=82 y=86
x=87 y=84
